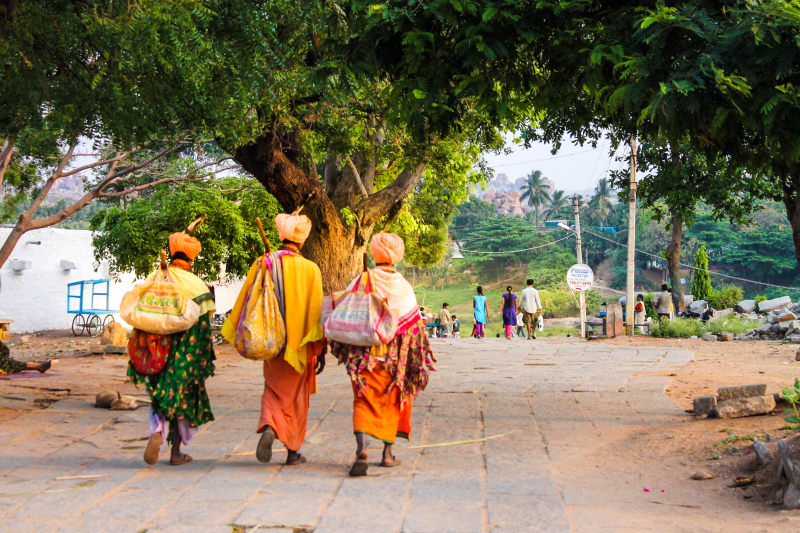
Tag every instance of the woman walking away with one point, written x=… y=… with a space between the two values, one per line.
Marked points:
x=388 y=377
x=509 y=311
x=481 y=312
x=178 y=393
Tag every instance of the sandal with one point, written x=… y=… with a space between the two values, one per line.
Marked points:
x=296 y=460
x=185 y=458
x=152 y=449
x=394 y=462
x=360 y=467
x=264 y=448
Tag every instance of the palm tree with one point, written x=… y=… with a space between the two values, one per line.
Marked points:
x=535 y=191
x=601 y=200
x=558 y=204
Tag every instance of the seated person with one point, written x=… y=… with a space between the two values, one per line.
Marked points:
x=8 y=365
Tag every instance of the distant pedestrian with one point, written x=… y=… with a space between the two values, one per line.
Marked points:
x=639 y=314
x=662 y=302
x=480 y=312
x=520 y=332
x=456 y=327
x=531 y=308
x=508 y=310
x=444 y=320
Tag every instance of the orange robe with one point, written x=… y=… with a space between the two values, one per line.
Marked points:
x=290 y=379
x=377 y=413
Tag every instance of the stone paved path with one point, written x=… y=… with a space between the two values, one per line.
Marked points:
x=550 y=400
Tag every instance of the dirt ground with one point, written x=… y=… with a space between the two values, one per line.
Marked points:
x=668 y=453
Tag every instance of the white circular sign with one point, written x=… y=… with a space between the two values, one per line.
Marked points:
x=580 y=277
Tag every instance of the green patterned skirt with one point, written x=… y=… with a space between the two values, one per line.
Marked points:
x=179 y=391
x=9 y=365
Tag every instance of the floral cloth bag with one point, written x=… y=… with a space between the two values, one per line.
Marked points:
x=360 y=317
x=261 y=331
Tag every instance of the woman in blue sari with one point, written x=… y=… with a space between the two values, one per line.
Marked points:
x=481 y=312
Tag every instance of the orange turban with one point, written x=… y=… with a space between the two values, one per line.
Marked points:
x=183 y=242
x=387 y=248
x=294 y=228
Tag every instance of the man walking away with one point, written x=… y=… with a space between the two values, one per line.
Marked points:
x=662 y=302
x=531 y=308
x=444 y=320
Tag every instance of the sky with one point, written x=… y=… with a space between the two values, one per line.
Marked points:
x=573 y=169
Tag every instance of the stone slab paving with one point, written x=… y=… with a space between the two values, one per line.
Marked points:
x=542 y=400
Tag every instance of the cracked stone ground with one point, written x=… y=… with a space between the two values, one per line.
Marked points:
x=548 y=417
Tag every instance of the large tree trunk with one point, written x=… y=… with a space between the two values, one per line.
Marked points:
x=791 y=200
x=334 y=244
x=673 y=264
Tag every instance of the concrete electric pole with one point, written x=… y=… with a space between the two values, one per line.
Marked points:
x=629 y=281
x=579 y=254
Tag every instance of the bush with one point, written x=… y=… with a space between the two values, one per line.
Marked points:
x=727 y=296
x=731 y=323
x=761 y=298
x=677 y=328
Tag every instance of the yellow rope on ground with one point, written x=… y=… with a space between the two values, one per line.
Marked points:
x=457 y=442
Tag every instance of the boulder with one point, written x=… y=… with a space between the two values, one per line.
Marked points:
x=775 y=303
x=702 y=405
x=698 y=306
x=784 y=326
x=741 y=407
x=708 y=336
x=763 y=328
x=746 y=306
x=723 y=312
x=114 y=333
x=742 y=391
x=788 y=315
x=726 y=336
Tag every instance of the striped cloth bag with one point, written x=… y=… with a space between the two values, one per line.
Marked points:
x=360 y=317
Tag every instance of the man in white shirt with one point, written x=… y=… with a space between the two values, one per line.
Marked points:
x=531 y=308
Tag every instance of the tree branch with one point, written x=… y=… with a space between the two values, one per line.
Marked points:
x=5 y=158
x=377 y=205
x=119 y=157
x=357 y=177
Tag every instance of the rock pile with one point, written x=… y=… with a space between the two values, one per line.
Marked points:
x=508 y=203
x=783 y=319
x=735 y=402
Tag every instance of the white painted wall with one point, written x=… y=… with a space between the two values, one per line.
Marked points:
x=36 y=298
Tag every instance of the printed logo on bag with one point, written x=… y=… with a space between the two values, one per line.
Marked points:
x=162 y=301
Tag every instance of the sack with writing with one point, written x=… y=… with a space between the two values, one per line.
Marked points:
x=158 y=306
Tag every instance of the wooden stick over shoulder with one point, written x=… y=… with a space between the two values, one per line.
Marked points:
x=263 y=235
x=163 y=260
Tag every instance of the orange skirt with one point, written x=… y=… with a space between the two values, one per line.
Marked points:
x=378 y=414
x=284 y=404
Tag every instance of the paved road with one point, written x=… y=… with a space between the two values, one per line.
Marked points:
x=548 y=401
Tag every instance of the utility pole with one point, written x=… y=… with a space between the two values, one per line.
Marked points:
x=579 y=254
x=629 y=281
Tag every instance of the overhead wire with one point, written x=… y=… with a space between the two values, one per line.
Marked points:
x=572 y=234
x=694 y=267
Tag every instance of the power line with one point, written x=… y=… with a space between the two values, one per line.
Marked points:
x=521 y=250
x=542 y=159
x=695 y=268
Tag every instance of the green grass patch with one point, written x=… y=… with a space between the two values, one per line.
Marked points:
x=681 y=328
x=731 y=323
x=690 y=327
